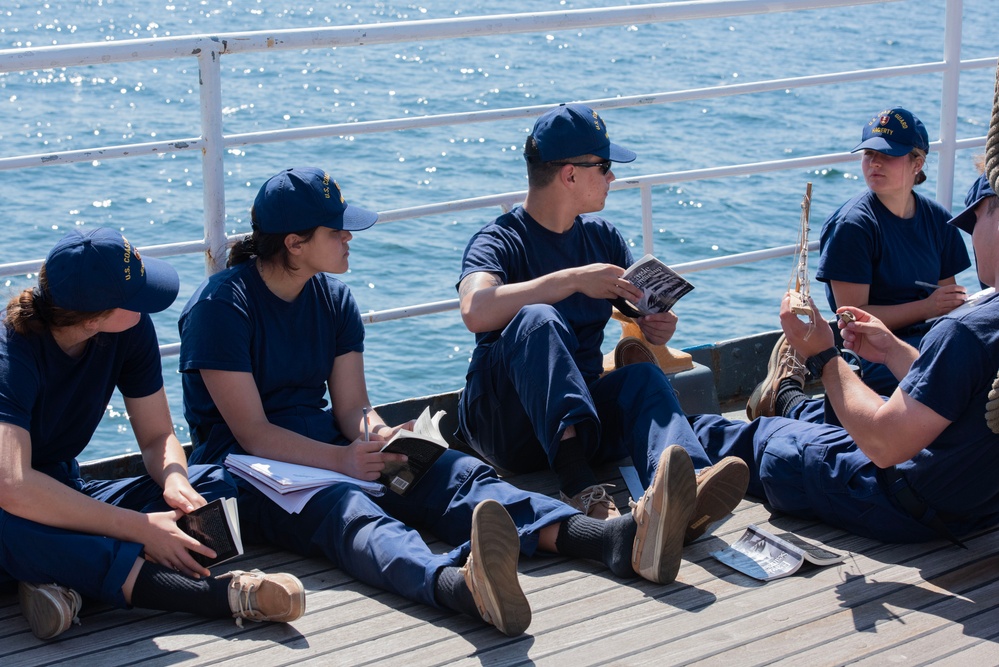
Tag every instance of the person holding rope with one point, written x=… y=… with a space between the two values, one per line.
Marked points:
x=918 y=466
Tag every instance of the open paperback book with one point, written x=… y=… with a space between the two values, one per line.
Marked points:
x=216 y=525
x=766 y=556
x=423 y=445
x=661 y=287
x=290 y=485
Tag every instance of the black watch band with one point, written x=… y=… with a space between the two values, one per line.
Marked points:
x=817 y=362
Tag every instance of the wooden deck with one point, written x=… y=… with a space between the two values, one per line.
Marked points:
x=885 y=604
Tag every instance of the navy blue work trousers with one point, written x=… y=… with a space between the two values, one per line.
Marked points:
x=811 y=470
x=517 y=404
x=92 y=565
x=375 y=539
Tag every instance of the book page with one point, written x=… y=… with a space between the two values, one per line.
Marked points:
x=813 y=553
x=761 y=555
x=285 y=477
x=425 y=427
x=662 y=287
x=212 y=525
x=422 y=447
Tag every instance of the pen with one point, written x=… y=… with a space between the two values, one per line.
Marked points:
x=929 y=286
x=367 y=436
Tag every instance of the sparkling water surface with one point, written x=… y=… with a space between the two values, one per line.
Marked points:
x=157 y=199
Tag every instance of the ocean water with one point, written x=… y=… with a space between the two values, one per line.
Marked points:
x=157 y=199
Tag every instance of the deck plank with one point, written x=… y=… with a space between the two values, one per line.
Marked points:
x=883 y=600
x=902 y=604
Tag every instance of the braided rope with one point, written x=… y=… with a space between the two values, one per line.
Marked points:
x=992 y=173
x=992 y=141
x=992 y=408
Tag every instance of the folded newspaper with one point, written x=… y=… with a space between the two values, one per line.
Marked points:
x=291 y=485
x=766 y=556
x=661 y=287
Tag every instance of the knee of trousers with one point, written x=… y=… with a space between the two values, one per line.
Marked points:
x=533 y=317
x=212 y=481
x=461 y=469
x=640 y=380
x=639 y=384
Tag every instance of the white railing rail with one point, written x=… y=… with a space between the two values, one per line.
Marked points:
x=209 y=49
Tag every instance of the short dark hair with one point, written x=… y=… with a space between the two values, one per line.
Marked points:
x=539 y=174
x=991 y=205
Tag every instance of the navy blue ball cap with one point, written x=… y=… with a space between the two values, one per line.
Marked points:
x=966 y=219
x=306 y=197
x=571 y=130
x=894 y=132
x=100 y=270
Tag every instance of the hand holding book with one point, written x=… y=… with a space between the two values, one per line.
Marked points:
x=215 y=525
x=661 y=288
x=422 y=445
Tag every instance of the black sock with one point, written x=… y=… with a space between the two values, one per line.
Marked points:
x=157 y=587
x=572 y=467
x=789 y=394
x=609 y=542
x=451 y=592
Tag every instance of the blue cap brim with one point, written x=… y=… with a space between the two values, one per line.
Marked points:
x=617 y=153
x=882 y=145
x=966 y=219
x=160 y=290
x=356 y=218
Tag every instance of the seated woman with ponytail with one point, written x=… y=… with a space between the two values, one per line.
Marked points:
x=264 y=343
x=64 y=347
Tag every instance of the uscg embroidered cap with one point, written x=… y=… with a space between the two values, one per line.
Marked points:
x=305 y=197
x=100 y=270
x=966 y=219
x=894 y=132
x=571 y=130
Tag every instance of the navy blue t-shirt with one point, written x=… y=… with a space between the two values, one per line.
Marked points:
x=60 y=400
x=957 y=363
x=233 y=322
x=863 y=242
x=517 y=249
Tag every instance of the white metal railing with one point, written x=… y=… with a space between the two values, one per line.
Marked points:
x=209 y=50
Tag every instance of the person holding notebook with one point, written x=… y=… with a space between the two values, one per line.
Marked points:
x=262 y=345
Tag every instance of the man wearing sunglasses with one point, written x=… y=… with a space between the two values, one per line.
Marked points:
x=536 y=288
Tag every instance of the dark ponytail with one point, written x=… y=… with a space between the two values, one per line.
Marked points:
x=267 y=247
x=242 y=250
x=919 y=153
x=32 y=312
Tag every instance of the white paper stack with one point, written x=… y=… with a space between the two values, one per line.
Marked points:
x=288 y=484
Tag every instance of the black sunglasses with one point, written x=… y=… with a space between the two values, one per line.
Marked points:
x=605 y=166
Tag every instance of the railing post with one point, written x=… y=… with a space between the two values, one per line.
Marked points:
x=212 y=157
x=948 y=101
x=647 y=237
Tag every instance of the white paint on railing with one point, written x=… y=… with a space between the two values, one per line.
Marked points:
x=46 y=57
x=209 y=49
